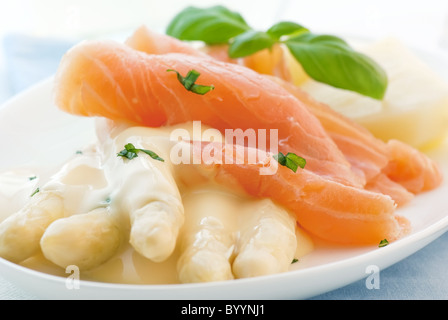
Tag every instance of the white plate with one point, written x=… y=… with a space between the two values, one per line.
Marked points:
x=33 y=131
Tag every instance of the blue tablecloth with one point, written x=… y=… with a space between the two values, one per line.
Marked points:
x=27 y=60
x=420 y=276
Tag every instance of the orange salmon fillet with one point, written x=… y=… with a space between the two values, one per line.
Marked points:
x=146 y=40
x=115 y=81
x=374 y=161
x=327 y=209
x=352 y=182
x=394 y=168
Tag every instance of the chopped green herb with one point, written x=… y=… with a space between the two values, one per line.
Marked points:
x=189 y=82
x=32 y=178
x=35 y=191
x=151 y=154
x=130 y=152
x=291 y=161
x=294 y=260
x=78 y=152
x=383 y=243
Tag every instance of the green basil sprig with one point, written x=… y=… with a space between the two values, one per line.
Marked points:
x=325 y=58
x=286 y=28
x=249 y=42
x=331 y=60
x=212 y=25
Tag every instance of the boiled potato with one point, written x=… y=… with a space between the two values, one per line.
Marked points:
x=415 y=107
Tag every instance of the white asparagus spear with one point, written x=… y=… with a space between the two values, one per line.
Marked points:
x=148 y=193
x=207 y=240
x=143 y=187
x=267 y=241
x=20 y=233
x=144 y=191
x=78 y=184
x=154 y=230
x=86 y=240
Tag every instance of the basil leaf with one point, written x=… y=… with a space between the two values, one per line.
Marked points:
x=285 y=28
x=325 y=58
x=331 y=60
x=212 y=25
x=249 y=42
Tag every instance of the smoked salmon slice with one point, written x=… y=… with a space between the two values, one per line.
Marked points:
x=327 y=209
x=352 y=183
x=145 y=40
x=411 y=168
x=374 y=160
x=115 y=81
x=387 y=166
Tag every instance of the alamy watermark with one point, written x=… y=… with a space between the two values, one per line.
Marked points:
x=373 y=280
x=73 y=280
x=237 y=146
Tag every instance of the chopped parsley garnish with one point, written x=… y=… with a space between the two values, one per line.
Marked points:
x=130 y=152
x=294 y=260
x=35 y=191
x=383 y=243
x=291 y=160
x=189 y=82
x=32 y=178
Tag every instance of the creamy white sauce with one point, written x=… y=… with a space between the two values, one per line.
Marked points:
x=16 y=186
x=97 y=177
